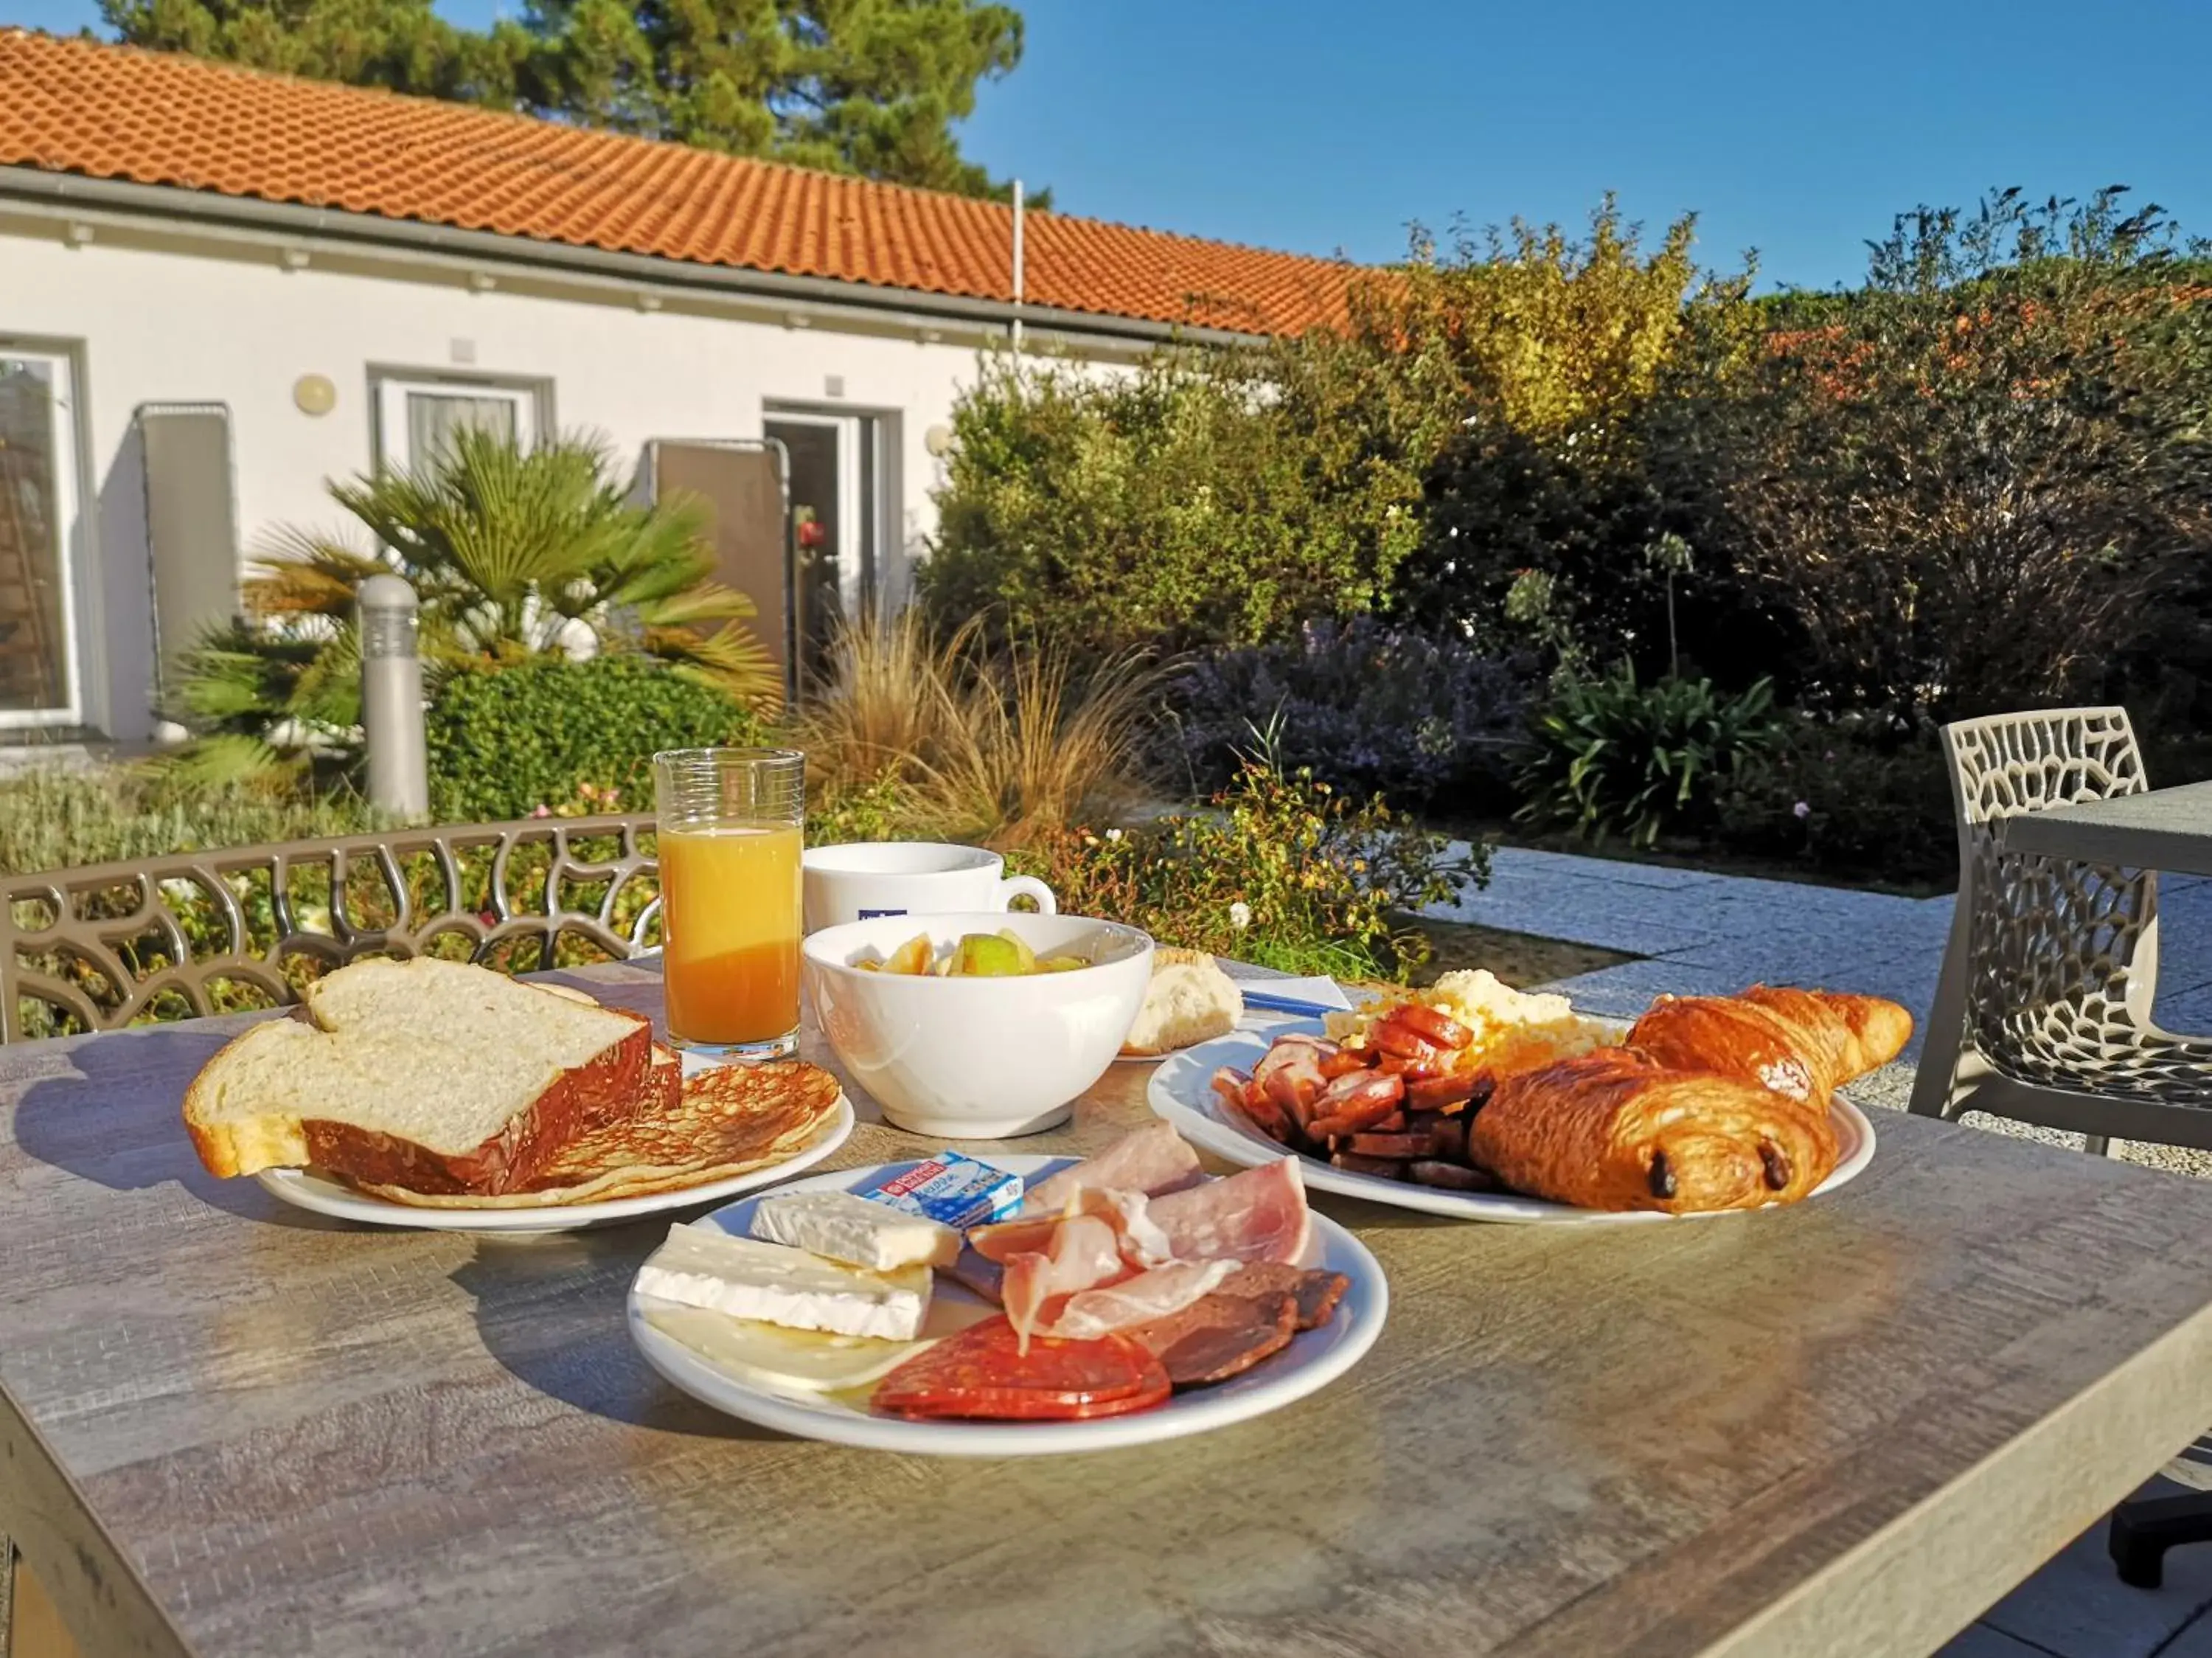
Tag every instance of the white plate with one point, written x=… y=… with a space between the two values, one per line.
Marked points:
x=1314 y=1359
x=1181 y=1090
x=307 y=1190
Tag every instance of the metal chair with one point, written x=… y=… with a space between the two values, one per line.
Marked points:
x=114 y=944
x=2043 y=1014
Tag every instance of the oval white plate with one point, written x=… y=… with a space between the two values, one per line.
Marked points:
x=307 y=1190
x=1181 y=1090
x=1313 y=1359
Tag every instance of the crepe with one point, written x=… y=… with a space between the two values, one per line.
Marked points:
x=727 y=1121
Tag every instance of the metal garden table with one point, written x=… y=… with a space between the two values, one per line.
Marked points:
x=229 y=1428
x=2166 y=829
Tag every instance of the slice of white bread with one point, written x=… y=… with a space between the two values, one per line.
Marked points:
x=1189 y=1000
x=431 y=1075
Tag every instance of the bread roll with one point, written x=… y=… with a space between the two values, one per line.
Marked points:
x=1190 y=1000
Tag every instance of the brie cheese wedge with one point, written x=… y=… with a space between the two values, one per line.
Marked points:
x=852 y=1229
x=701 y=1266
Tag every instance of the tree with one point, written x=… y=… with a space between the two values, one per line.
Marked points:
x=1971 y=483
x=865 y=87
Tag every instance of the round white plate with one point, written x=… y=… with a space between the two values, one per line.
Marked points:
x=1313 y=1359
x=1181 y=1090
x=307 y=1190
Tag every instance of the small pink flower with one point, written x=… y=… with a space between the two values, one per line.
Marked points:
x=1801 y=810
x=542 y=812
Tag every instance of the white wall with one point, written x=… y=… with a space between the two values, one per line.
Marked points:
x=167 y=317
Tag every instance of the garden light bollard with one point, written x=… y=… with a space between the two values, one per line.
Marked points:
x=391 y=698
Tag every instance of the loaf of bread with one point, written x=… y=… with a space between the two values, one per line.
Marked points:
x=1189 y=1000
x=432 y=1075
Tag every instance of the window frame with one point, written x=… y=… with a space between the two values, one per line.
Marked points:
x=83 y=661
x=389 y=387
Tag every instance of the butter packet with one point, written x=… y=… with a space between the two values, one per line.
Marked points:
x=952 y=1190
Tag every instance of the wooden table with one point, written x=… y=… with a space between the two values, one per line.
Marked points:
x=231 y=1428
x=2163 y=829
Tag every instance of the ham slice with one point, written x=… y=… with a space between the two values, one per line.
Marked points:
x=1084 y=1251
x=1258 y=1215
x=1090 y=1313
x=1141 y=1241
x=1150 y=1160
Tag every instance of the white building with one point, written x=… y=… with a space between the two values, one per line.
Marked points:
x=220 y=289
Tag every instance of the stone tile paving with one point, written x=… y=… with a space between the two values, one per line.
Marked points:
x=1699 y=933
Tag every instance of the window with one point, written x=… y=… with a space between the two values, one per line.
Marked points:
x=417 y=419
x=39 y=659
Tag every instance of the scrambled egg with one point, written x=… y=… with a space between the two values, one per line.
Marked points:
x=1514 y=1030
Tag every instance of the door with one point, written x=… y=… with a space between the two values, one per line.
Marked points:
x=41 y=666
x=835 y=510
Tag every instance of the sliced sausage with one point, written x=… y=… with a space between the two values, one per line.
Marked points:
x=1439 y=1028
x=1455 y=1177
x=1351 y=1105
x=1394 y=1037
x=1388 y=1168
x=1316 y=1292
x=1219 y=1336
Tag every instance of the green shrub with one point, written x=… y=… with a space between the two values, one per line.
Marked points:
x=1199 y=501
x=1852 y=796
x=1282 y=871
x=510 y=742
x=1611 y=756
x=58 y=820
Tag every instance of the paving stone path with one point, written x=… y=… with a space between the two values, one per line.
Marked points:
x=1698 y=932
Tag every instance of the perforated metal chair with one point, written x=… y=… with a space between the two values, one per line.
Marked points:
x=2043 y=1014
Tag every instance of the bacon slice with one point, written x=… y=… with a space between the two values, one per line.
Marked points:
x=1092 y=1313
x=1085 y=1250
x=1151 y=1160
x=1260 y=1214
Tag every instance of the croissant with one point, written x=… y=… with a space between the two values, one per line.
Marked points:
x=1805 y=1044
x=1614 y=1128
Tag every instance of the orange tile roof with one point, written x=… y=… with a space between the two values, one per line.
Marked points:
x=77 y=106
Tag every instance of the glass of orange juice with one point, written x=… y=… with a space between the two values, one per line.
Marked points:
x=729 y=830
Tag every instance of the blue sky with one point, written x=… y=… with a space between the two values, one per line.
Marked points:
x=1799 y=130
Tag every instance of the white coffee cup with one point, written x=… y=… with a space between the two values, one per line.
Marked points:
x=873 y=878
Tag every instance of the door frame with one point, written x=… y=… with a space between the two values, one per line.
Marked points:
x=85 y=678
x=866 y=585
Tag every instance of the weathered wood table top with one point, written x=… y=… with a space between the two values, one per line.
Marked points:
x=2161 y=829
x=231 y=1428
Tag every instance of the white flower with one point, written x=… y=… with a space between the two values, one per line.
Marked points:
x=1240 y=915
x=1113 y=834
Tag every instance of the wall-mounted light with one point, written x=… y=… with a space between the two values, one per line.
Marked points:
x=313 y=395
x=937 y=440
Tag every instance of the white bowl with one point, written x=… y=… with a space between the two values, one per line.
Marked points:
x=978 y=1059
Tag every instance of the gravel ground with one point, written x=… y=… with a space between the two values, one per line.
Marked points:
x=1891 y=1088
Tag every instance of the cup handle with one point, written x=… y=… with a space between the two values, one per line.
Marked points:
x=1015 y=887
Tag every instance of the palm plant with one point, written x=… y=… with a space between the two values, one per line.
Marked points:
x=512 y=553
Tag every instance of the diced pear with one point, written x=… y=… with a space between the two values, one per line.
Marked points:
x=985 y=955
x=1060 y=964
x=911 y=957
x=1023 y=953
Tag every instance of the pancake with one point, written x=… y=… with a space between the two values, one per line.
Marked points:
x=727 y=1121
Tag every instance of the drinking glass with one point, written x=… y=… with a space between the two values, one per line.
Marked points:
x=729 y=832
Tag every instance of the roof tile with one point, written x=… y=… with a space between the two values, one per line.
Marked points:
x=78 y=105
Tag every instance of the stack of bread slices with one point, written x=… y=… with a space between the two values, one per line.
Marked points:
x=439 y=1081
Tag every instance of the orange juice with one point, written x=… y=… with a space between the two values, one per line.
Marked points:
x=729 y=930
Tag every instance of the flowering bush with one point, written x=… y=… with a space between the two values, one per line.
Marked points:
x=1282 y=871
x=1366 y=707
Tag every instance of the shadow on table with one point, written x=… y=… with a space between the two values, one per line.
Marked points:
x=115 y=1118
x=552 y=1309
